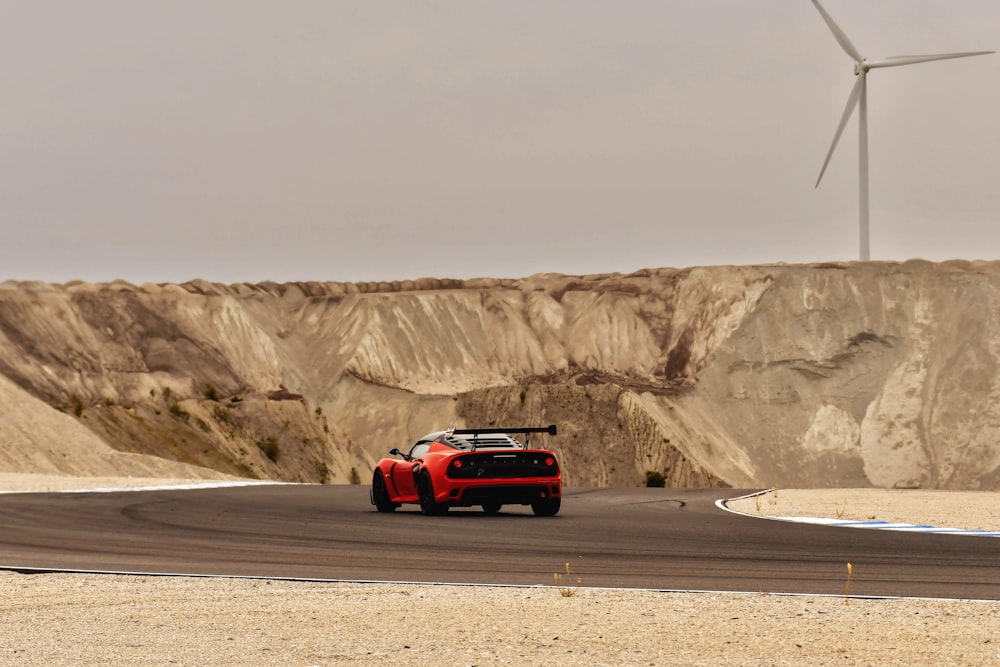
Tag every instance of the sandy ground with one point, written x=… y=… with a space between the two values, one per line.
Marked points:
x=967 y=510
x=62 y=619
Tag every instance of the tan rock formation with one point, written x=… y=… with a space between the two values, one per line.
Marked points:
x=859 y=374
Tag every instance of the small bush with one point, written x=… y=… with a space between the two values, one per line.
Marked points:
x=355 y=477
x=167 y=393
x=210 y=393
x=76 y=405
x=565 y=591
x=177 y=411
x=222 y=415
x=655 y=479
x=270 y=447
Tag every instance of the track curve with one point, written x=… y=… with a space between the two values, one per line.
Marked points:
x=667 y=539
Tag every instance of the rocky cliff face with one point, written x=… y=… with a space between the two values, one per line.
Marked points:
x=835 y=375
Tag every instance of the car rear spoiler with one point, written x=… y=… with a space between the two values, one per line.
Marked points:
x=527 y=431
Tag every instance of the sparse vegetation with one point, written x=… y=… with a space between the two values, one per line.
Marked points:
x=565 y=590
x=109 y=402
x=76 y=405
x=180 y=413
x=655 y=479
x=270 y=447
x=840 y=510
x=355 y=477
x=210 y=393
x=524 y=395
x=222 y=415
x=771 y=495
x=167 y=393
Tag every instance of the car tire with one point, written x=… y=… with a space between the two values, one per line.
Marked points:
x=425 y=492
x=491 y=508
x=547 y=507
x=380 y=494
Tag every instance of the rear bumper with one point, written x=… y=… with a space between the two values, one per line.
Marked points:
x=503 y=491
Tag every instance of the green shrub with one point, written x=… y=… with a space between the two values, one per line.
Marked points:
x=655 y=479
x=76 y=405
x=270 y=447
x=355 y=477
x=177 y=411
x=222 y=415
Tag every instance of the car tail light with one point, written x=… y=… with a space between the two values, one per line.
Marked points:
x=457 y=463
x=550 y=461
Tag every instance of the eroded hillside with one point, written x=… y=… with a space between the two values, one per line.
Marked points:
x=836 y=375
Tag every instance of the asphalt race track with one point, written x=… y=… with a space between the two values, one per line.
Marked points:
x=666 y=539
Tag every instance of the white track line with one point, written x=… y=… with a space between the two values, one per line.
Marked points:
x=164 y=487
x=462 y=584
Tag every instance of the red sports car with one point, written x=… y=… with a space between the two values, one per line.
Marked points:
x=467 y=467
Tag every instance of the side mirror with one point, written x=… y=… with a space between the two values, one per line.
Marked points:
x=395 y=452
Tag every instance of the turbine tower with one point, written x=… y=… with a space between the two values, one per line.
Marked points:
x=859 y=98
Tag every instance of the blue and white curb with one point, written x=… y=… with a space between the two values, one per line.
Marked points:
x=840 y=523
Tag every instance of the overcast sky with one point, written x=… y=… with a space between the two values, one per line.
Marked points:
x=243 y=140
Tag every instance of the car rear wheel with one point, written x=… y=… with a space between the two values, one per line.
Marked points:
x=380 y=494
x=425 y=492
x=491 y=508
x=547 y=507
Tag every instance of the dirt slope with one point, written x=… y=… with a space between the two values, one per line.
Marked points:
x=866 y=374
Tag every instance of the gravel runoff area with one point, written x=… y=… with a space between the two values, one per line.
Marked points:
x=71 y=619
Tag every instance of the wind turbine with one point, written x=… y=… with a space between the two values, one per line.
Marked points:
x=859 y=97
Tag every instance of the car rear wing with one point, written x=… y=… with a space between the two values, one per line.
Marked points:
x=526 y=431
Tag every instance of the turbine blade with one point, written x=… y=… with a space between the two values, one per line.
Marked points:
x=842 y=39
x=852 y=101
x=896 y=61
